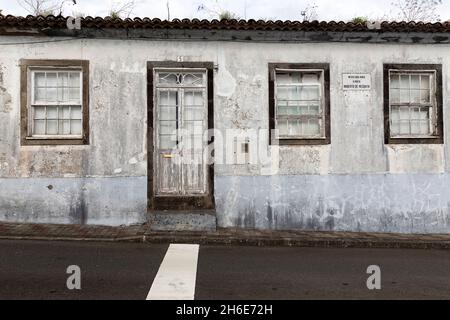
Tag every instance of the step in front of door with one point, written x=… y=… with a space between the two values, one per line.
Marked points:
x=196 y=220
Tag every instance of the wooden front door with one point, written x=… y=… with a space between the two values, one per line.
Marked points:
x=180 y=126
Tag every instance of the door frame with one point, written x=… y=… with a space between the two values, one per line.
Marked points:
x=159 y=202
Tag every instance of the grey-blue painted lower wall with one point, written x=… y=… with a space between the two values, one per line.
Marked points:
x=105 y=201
x=404 y=203
x=407 y=203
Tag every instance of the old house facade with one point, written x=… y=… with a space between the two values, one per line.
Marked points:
x=251 y=124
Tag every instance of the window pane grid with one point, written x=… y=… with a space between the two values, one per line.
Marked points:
x=299 y=104
x=56 y=108
x=412 y=111
x=57 y=120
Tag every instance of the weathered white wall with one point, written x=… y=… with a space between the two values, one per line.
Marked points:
x=118 y=121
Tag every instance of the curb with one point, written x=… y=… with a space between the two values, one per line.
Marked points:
x=292 y=242
x=135 y=239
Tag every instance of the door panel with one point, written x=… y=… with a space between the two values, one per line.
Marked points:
x=181 y=169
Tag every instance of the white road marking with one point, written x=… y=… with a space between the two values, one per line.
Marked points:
x=177 y=274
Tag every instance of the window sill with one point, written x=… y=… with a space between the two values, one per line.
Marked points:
x=416 y=140
x=304 y=142
x=54 y=140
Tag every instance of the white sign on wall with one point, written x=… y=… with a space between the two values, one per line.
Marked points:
x=357 y=81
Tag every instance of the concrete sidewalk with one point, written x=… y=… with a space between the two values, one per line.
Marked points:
x=142 y=233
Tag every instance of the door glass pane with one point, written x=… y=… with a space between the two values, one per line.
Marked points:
x=167 y=142
x=168 y=113
x=168 y=127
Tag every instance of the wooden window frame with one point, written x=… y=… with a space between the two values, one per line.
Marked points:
x=438 y=138
x=183 y=202
x=325 y=67
x=27 y=66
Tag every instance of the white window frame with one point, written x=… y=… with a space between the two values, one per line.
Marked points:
x=31 y=102
x=432 y=105
x=322 y=106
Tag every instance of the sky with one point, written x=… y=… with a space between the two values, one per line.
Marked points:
x=249 y=9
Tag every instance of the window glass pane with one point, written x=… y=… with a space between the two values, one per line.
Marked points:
x=395 y=81
x=39 y=112
x=286 y=93
x=39 y=78
x=314 y=109
x=75 y=127
x=310 y=93
x=395 y=114
x=312 y=127
x=394 y=95
x=425 y=82
x=310 y=78
x=425 y=96
x=288 y=78
x=404 y=81
x=63 y=79
x=295 y=128
x=415 y=82
x=424 y=113
x=395 y=128
x=404 y=96
x=39 y=95
x=65 y=112
x=415 y=96
x=76 y=113
x=404 y=113
x=282 y=126
x=415 y=127
x=64 y=127
x=75 y=95
x=74 y=80
x=52 y=127
x=51 y=95
x=51 y=80
x=63 y=94
x=425 y=127
x=52 y=112
x=404 y=127
x=39 y=127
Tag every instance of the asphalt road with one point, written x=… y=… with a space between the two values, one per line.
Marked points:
x=37 y=270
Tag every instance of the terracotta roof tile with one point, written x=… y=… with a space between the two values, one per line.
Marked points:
x=256 y=25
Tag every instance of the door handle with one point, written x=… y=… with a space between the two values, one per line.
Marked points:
x=167 y=155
